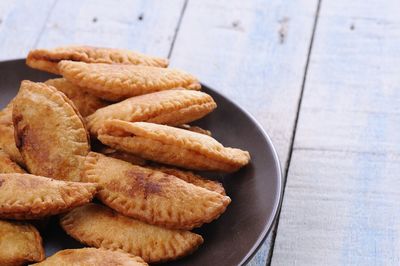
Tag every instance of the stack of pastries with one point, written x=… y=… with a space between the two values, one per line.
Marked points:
x=114 y=127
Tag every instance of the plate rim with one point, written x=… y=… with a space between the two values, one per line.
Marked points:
x=280 y=187
x=278 y=202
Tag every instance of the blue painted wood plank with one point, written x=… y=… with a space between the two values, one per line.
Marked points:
x=341 y=201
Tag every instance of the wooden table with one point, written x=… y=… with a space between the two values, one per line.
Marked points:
x=322 y=77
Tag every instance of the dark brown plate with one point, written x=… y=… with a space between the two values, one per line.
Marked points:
x=256 y=190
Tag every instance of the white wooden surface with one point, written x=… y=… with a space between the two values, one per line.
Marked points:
x=341 y=204
x=146 y=26
x=21 y=25
x=341 y=199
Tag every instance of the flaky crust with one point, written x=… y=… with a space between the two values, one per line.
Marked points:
x=117 y=82
x=152 y=196
x=49 y=132
x=20 y=243
x=7 y=142
x=7 y=165
x=25 y=196
x=92 y=256
x=47 y=59
x=172 y=146
x=99 y=226
x=86 y=103
x=192 y=178
x=172 y=107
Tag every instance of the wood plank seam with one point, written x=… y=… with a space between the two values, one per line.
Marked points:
x=286 y=168
x=45 y=23
x=348 y=151
x=177 y=28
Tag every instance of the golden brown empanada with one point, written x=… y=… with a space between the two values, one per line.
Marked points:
x=92 y=257
x=192 y=178
x=194 y=129
x=7 y=142
x=20 y=243
x=47 y=59
x=172 y=107
x=7 y=165
x=25 y=196
x=152 y=196
x=86 y=103
x=118 y=82
x=172 y=146
x=50 y=133
x=125 y=156
x=99 y=226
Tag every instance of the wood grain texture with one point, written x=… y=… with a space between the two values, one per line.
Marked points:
x=255 y=53
x=145 y=26
x=21 y=23
x=341 y=200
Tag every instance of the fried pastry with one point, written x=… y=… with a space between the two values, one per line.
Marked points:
x=25 y=196
x=92 y=256
x=99 y=226
x=20 y=243
x=127 y=157
x=172 y=107
x=7 y=142
x=173 y=146
x=47 y=59
x=195 y=129
x=192 y=178
x=7 y=165
x=118 y=82
x=86 y=103
x=152 y=196
x=50 y=133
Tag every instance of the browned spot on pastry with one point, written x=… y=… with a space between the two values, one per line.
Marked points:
x=19 y=132
x=140 y=182
x=149 y=187
x=152 y=196
x=1 y=182
x=49 y=132
x=17 y=118
x=28 y=139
